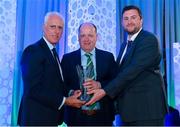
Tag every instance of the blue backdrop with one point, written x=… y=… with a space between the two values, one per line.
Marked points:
x=21 y=24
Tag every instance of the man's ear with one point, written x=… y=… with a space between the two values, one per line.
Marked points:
x=141 y=22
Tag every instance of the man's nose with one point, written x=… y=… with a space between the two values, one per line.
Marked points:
x=129 y=20
x=57 y=30
x=86 y=38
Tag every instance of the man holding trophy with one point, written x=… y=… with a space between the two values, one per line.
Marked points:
x=90 y=68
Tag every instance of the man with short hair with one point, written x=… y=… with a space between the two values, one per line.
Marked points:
x=138 y=87
x=104 y=69
x=43 y=98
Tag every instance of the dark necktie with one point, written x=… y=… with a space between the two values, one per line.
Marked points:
x=57 y=61
x=128 y=44
x=55 y=55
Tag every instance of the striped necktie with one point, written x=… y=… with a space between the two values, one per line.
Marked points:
x=90 y=66
x=91 y=75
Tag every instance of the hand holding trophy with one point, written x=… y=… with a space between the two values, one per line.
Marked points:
x=85 y=74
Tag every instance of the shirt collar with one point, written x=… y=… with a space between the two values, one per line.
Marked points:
x=83 y=52
x=134 y=36
x=51 y=46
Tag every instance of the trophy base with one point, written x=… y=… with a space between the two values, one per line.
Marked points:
x=93 y=107
x=89 y=112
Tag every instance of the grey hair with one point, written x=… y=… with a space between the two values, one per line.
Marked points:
x=52 y=13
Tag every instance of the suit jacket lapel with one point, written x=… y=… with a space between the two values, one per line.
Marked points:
x=128 y=56
x=46 y=50
x=121 y=52
x=50 y=56
x=99 y=63
x=78 y=57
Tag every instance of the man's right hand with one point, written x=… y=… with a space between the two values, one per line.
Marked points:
x=74 y=101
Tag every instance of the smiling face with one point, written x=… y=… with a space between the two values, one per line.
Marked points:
x=53 y=28
x=131 y=21
x=87 y=37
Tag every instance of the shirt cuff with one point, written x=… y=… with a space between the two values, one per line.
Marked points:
x=71 y=92
x=64 y=98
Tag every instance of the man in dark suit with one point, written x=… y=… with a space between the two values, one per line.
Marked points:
x=43 y=98
x=105 y=68
x=138 y=87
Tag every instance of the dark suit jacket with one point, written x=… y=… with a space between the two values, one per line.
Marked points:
x=43 y=87
x=139 y=86
x=106 y=68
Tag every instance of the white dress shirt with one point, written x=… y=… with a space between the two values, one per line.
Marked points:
x=51 y=46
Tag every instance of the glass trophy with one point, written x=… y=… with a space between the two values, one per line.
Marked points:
x=82 y=74
x=85 y=74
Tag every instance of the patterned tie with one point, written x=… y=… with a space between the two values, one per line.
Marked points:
x=90 y=66
x=57 y=61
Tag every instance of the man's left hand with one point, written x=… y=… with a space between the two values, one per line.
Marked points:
x=97 y=95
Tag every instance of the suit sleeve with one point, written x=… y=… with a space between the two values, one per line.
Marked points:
x=146 y=55
x=112 y=69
